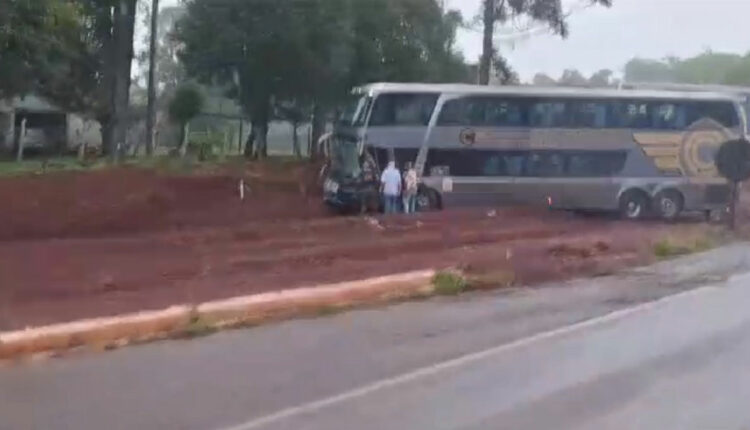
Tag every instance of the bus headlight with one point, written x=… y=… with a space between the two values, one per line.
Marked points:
x=331 y=186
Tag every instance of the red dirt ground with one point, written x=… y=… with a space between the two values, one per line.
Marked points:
x=95 y=244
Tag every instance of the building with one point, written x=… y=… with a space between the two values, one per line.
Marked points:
x=49 y=129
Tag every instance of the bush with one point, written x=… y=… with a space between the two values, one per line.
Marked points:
x=667 y=248
x=449 y=283
x=205 y=146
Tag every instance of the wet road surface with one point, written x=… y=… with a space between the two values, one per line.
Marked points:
x=659 y=347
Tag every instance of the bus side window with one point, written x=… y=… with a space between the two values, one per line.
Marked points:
x=547 y=114
x=586 y=114
x=403 y=109
x=595 y=164
x=545 y=164
x=452 y=113
x=632 y=114
x=668 y=116
x=505 y=112
x=722 y=112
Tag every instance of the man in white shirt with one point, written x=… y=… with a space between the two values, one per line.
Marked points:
x=390 y=186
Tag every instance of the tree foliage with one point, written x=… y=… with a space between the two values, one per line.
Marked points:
x=494 y=12
x=311 y=52
x=706 y=68
x=37 y=39
x=186 y=104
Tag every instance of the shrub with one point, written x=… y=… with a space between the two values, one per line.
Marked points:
x=449 y=283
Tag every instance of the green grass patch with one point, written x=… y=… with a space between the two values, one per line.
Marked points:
x=449 y=283
x=39 y=166
x=667 y=248
x=196 y=327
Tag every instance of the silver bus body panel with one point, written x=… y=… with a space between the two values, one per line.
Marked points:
x=639 y=172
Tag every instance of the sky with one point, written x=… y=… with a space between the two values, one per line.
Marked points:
x=606 y=38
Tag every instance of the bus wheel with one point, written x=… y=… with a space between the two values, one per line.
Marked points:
x=634 y=205
x=669 y=204
x=428 y=200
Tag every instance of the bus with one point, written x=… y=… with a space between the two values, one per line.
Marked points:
x=637 y=152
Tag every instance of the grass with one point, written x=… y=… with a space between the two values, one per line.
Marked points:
x=669 y=247
x=37 y=166
x=162 y=163
x=196 y=327
x=449 y=283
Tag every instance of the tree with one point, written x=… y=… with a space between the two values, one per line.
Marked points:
x=309 y=53
x=645 y=70
x=547 y=12
x=572 y=78
x=37 y=40
x=543 y=80
x=706 y=68
x=186 y=105
x=151 y=114
x=601 y=79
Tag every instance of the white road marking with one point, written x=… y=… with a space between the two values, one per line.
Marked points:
x=460 y=361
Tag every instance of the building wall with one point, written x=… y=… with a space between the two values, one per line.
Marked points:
x=82 y=130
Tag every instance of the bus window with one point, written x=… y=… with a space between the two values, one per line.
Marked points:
x=505 y=113
x=630 y=114
x=668 y=116
x=586 y=114
x=595 y=164
x=502 y=163
x=545 y=164
x=403 y=109
x=452 y=113
x=722 y=112
x=548 y=114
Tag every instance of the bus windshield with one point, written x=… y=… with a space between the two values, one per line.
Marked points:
x=345 y=159
x=355 y=111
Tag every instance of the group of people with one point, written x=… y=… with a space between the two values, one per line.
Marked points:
x=394 y=186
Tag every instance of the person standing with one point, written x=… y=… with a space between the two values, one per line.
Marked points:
x=410 y=189
x=390 y=186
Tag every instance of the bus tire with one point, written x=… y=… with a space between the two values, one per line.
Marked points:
x=428 y=200
x=634 y=205
x=669 y=204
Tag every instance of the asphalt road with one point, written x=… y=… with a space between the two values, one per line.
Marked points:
x=661 y=347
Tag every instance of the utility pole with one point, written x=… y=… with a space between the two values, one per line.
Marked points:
x=151 y=115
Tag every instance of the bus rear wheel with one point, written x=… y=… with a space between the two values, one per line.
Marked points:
x=634 y=205
x=428 y=200
x=669 y=204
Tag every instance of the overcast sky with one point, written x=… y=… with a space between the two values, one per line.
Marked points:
x=608 y=38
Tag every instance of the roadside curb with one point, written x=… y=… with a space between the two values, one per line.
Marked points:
x=109 y=332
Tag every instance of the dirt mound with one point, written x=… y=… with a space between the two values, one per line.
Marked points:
x=131 y=200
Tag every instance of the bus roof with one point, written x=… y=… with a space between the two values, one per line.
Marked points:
x=531 y=91
x=668 y=86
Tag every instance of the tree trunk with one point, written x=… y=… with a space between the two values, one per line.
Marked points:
x=488 y=20
x=123 y=34
x=295 y=140
x=318 y=129
x=21 y=141
x=184 y=139
x=250 y=143
x=151 y=115
x=261 y=150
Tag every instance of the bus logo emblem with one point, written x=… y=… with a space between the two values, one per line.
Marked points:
x=467 y=137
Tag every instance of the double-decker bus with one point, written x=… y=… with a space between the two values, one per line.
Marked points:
x=633 y=151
